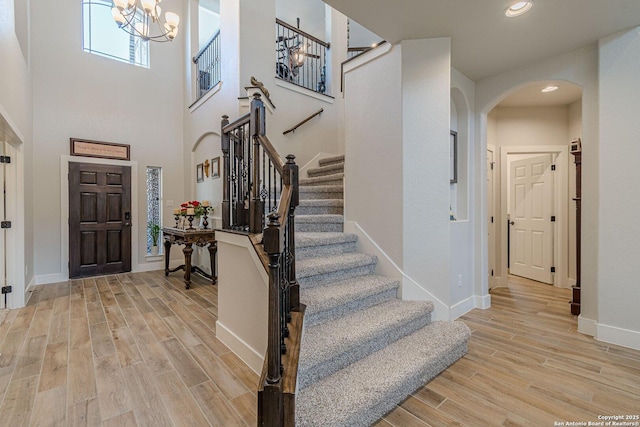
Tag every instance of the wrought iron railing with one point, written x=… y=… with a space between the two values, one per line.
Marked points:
x=258 y=183
x=208 y=66
x=301 y=58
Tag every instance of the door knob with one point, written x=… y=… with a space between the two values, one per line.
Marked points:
x=511 y=223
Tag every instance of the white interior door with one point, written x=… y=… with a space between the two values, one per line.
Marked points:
x=531 y=207
x=490 y=217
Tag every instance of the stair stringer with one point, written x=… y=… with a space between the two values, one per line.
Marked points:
x=410 y=289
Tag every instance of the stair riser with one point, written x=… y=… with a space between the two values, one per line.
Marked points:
x=305 y=183
x=319 y=210
x=318 y=251
x=325 y=170
x=331 y=161
x=311 y=319
x=308 y=193
x=319 y=227
x=334 y=276
x=309 y=375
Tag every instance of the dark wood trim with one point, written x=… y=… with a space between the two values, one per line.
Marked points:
x=576 y=289
x=302 y=33
x=75 y=150
x=293 y=129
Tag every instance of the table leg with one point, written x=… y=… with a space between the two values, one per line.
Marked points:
x=167 y=251
x=213 y=249
x=188 y=250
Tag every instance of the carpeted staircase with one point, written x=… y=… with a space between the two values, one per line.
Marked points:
x=363 y=350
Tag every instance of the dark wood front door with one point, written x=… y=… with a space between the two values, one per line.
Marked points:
x=99 y=219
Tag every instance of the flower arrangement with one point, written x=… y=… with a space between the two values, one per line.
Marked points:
x=194 y=208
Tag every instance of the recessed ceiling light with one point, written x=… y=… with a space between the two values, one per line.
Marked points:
x=519 y=8
x=549 y=89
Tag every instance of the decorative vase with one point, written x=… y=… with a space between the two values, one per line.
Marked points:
x=155 y=250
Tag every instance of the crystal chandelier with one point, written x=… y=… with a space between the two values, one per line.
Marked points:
x=137 y=16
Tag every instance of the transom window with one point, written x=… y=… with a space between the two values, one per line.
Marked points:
x=102 y=36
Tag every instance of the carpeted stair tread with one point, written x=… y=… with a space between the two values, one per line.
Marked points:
x=337 y=299
x=325 y=170
x=330 y=160
x=335 y=179
x=331 y=346
x=305 y=240
x=333 y=264
x=363 y=392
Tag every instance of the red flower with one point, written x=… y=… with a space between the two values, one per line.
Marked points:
x=195 y=203
x=184 y=205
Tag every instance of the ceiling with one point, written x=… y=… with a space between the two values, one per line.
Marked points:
x=531 y=95
x=483 y=41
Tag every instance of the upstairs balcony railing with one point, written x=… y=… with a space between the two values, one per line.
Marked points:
x=301 y=58
x=208 y=66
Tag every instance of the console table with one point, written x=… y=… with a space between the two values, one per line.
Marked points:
x=188 y=238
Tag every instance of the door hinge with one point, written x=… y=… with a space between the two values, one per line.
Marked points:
x=491 y=220
x=553 y=167
x=492 y=165
x=553 y=218
x=5 y=224
x=5 y=159
x=553 y=269
x=491 y=272
x=6 y=290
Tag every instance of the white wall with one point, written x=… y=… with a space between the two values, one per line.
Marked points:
x=466 y=291
x=374 y=149
x=77 y=94
x=310 y=12
x=618 y=251
x=17 y=111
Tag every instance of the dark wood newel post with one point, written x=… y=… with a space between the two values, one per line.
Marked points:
x=272 y=405
x=294 y=288
x=256 y=128
x=226 y=165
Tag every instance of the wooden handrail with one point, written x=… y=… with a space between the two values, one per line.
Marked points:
x=239 y=122
x=272 y=153
x=302 y=33
x=254 y=176
x=293 y=129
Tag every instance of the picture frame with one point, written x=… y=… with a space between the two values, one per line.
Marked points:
x=199 y=173
x=215 y=167
x=453 y=157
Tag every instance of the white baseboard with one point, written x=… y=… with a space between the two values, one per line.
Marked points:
x=241 y=349
x=149 y=266
x=482 y=302
x=462 y=308
x=466 y=305
x=587 y=326
x=45 y=279
x=618 y=336
x=29 y=290
x=571 y=282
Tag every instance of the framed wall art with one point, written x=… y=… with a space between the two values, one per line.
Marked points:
x=199 y=173
x=215 y=167
x=453 y=157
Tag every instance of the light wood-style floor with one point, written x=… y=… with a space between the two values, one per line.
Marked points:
x=526 y=366
x=138 y=349
x=126 y=350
